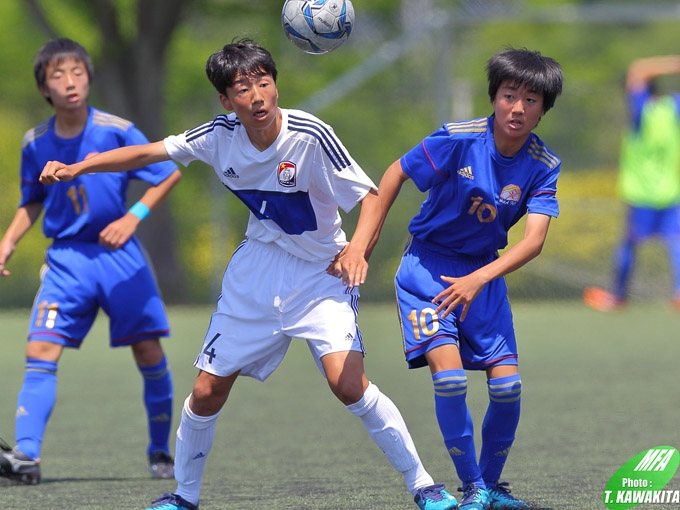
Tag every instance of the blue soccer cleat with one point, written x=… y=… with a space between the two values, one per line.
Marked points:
x=434 y=497
x=474 y=498
x=171 y=502
x=501 y=499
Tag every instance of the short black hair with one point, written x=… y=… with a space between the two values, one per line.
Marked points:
x=526 y=67
x=243 y=56
x=59 y=50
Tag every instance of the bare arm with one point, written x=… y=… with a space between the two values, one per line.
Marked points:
x=388 y=190
x=462 y=291
x=644 y=70
x=23 y=220
x=116 y=160
x=352 y=262
x=118 y=232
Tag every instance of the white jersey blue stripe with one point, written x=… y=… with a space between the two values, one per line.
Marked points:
x=293 y=188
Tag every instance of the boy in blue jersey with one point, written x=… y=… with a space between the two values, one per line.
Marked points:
x=293 y=173
x=94 y=261
x=481 y=176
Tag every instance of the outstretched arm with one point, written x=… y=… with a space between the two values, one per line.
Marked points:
x=116 y=160
x=463 y=290
x=644 y=70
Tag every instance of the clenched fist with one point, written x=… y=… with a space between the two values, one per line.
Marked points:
x=55 y=171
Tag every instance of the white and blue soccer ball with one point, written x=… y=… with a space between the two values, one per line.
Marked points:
x=318 y=26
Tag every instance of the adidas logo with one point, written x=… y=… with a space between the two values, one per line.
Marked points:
x=230 y=173
x=455 y=451
x=349 y=337
x=21 y=411
x=160 y=418
x=466 y=172
x=199 y=455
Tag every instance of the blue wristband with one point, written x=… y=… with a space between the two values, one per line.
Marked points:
x=139 y=210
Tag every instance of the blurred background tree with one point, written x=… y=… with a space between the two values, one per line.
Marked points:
x=408 y=67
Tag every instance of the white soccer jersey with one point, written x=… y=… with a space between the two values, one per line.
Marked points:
x=293 y=188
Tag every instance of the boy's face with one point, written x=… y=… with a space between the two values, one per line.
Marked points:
x=518 y=110
x=67 y=84
x=254 y=99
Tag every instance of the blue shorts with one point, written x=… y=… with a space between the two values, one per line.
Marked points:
x=79 y=278
x=645 y=222
x=485 y=338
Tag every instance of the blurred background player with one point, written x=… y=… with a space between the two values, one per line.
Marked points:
x=94 y=261
x=481 y=176
x=649 y=179
x=294 y=174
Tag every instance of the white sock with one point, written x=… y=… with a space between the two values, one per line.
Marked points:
x=386 y=427
x=194 y=441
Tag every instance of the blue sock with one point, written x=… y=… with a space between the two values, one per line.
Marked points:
x=500 y=424
x=35 y=402
x=158 y=403
x=624 y=260
x=455 y=422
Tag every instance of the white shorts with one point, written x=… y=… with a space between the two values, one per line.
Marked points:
x=268 y=297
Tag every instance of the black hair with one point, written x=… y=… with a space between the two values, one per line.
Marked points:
x=243 y=56
x=524 y=67
x=58 y=50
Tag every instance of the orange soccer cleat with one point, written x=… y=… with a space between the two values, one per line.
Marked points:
x=602 y=300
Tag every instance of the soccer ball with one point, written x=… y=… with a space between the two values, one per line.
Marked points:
x=317 y=26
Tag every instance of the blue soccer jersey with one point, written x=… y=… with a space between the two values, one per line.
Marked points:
x=80 y=276
x=475 y=193
x=475 y=196
x=80 y=209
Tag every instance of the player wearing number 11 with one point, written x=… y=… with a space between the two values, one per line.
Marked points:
x=94 y=262
x=482 y=176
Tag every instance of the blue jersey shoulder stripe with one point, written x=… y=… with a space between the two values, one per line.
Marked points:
x=220 y=121
x=107 y=119
x=328 y=141
x=471 y=126
x=34 y=133
x=540 y=152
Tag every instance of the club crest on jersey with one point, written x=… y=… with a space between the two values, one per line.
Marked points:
x=287 y=174
x=510 y=194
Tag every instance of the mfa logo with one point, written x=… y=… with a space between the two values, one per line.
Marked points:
x=287 y=173
x=642 y=480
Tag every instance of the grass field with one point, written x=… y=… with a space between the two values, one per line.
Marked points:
x=597 y=390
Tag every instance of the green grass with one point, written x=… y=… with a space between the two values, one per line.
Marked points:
x=598 y=389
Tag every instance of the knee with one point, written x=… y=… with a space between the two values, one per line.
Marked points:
x=348 y=391
x=148 y=353
x=209 y=394
x=44 y=351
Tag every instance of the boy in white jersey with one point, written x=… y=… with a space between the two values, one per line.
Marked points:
x=293 y=173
